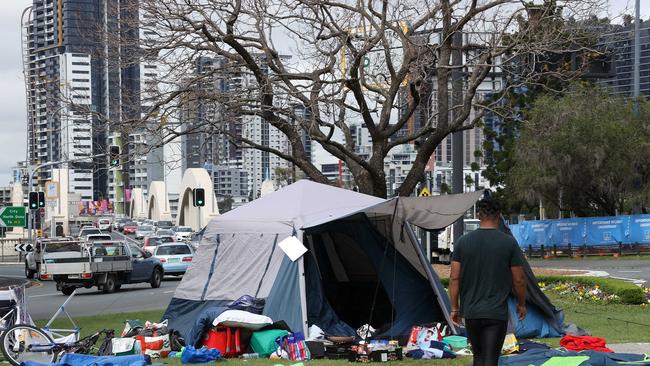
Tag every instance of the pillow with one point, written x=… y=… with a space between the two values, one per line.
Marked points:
x=242 y=319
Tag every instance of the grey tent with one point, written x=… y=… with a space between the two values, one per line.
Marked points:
x=363 y=263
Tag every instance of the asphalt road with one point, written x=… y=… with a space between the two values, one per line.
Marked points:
x=629 y=269
x=44 y=299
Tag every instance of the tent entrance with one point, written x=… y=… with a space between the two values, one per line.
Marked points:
x=349 y=282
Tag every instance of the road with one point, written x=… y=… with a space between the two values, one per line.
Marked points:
x=632 y=269
x=44 y=299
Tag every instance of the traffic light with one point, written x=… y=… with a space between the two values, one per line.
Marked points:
x=114 y=156
x=199 y=197
x=41 y=199
x=33 y=200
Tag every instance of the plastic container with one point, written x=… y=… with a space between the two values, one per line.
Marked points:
x=456 y=342
x=250 y=355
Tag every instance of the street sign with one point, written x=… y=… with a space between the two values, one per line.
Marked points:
x=23 y=247
x=12 y=216
x=425 y=192
x=52 y=190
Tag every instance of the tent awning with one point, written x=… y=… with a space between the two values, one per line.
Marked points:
x=430 y=213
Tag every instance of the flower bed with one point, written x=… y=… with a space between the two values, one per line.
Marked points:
x=596 y=290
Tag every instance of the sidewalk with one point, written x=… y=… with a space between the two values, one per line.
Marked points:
x=630 y=348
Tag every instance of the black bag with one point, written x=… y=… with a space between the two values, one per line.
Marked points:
x=316 y=349
x=106 y=348
x=340 y=351
x=176 y=341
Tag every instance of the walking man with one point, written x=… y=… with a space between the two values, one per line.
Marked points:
x=486 y=265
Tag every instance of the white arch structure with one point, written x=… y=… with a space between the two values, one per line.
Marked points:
x=188 y=215
x=138 y=205
x=158 y=203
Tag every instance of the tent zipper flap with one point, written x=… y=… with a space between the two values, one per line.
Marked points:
x=214 y=259
x=268 y=264
x=444 y=305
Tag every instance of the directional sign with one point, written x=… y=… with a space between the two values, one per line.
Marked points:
x=23 y=247
x=425 y=192
x=12 y=216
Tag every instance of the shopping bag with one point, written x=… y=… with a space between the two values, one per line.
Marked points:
x=422 y=335
x=155 y=346
x=123 y=346
x=510 y=344
x=295 y=347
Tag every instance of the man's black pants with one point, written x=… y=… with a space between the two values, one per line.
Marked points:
x=486 y=337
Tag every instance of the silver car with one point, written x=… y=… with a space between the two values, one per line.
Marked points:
x=164 y=232
x=144 y=230
x=175 y=258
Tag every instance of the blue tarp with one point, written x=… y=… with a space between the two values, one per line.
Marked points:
x=591 y=231
x=535 y=325
x=88 y=360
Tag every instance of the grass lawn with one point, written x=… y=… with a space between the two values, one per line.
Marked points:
x=608 y=321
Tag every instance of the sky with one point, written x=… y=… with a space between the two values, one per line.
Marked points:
x=13 y=134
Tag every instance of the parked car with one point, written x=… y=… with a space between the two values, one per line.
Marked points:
x=175 y=258
x=104 y=225
x=183 y=233
x=151 y=242
x=164 y=232
x=144 y=230
x=129 y=228
x=164 y=224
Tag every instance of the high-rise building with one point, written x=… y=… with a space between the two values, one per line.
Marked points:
x=83 y=81
x=617 y=41
x=210 y=127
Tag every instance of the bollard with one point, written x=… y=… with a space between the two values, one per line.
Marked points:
x=554 y=250
x=638 y=249
x=570 y=251
x=530 y=251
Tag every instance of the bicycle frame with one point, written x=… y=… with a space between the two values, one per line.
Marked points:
x=62 y=333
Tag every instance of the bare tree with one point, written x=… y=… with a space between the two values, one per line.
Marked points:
x=371 y=63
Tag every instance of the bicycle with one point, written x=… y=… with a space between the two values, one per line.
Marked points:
x=23 y=342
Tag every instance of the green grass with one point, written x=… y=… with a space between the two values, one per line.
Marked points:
x=616 y=323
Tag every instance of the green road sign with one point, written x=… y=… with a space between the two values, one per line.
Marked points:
x=12 y=216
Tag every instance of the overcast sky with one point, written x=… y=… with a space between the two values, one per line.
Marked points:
x=12 y=93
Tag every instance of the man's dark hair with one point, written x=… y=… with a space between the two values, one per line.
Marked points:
x=488 y=207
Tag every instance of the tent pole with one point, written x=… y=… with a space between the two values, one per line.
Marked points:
x=444 y=305
x=303 y=292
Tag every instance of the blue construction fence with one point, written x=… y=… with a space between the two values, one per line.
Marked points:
x=624 y=232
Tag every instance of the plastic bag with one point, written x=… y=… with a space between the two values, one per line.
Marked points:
x=201 y=355
x=510 y=344
x=295 y=347
x=248 y=303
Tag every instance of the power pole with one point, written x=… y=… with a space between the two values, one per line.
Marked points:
x=457 y=137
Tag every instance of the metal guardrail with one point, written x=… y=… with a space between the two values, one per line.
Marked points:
x=587 y=250
x=8 y=252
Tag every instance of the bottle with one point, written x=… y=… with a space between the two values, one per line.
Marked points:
x=250 y=355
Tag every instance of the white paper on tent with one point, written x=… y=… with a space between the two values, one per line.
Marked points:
x=292 y=247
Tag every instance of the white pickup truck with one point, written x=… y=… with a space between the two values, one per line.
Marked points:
x=105 y=264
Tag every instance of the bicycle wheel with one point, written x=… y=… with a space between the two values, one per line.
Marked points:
x=26 y=343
